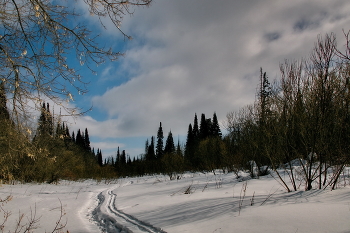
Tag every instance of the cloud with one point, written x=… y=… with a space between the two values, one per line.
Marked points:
x=201 y=56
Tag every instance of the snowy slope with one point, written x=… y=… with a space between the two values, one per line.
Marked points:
x=195 y=203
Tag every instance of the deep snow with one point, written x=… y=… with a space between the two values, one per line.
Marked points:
x=195 y=203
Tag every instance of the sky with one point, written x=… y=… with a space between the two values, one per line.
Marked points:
x=194 y=56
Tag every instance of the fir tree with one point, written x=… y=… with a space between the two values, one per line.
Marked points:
x=195 y=128
x=87 y=141
x=264 y=95
x=49 y=120
x=215 y=128
x=123 y=158
x=150 y=153
x=203 y=130
x=146 y=146
x=66 y=129
x=79 y=140
x=209 y=128
x=118 y=157
x=73 y=137
x=58 y=133
x=99 y=157
x=169 y=144
x=160 y=138
x=45 y=123
x=189 y=149
x=178 y=148
x=42 y=121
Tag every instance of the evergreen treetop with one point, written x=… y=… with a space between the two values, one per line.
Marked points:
x=169 y=144
x=160 y=138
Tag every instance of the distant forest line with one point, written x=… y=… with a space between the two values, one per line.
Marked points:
x=302 y=118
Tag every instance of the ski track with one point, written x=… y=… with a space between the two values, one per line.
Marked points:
x=115 y=221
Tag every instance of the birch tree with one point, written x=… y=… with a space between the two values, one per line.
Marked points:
x=36 y=38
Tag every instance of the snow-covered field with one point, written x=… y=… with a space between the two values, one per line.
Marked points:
x=195 y=203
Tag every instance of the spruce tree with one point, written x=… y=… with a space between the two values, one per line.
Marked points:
x=195 y=128
x=123 y=158
x=203 y=130
x=42 y=121
x=58 y=133
x=66 y=129
x=79 y=140
x=45 y=123
x=160 y=139
x=209 y=128
x=215 y=127
x=73 y=137
x=151 y=154
x=169 y=144
x=99 y=157
x=118 y=157
x=178 y=148
x=87 y=141
x=49 y=120
x=189 y=150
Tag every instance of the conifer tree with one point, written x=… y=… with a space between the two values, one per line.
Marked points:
x=58 y=133
x=45 y=123
x=73 y=137
x=49 y=120
x=195 y=128
x=160 y=138
x=264 y=93
x=79 y=140
x=178 y=148
x=146 y=146
x=209 y=127
x=42 y=121
x=66 y=129
x=189 y=150
x=118 y=157
x=99 y=157
x=203 y=130
x=87 y=141
x=215 y=128
x=123 y=158
x=169 y=144
x=151 y=154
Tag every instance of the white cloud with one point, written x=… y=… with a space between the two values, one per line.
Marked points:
x=202 y=56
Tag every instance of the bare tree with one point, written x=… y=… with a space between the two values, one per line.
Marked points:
x=36 y=37
x=302 y=125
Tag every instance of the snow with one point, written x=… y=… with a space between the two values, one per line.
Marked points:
x=197 y=202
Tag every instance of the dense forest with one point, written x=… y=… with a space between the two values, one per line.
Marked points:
x=303 y=119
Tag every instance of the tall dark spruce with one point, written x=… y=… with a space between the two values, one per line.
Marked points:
x=160 y=139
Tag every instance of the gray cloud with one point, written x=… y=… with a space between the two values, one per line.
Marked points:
x=199 y=56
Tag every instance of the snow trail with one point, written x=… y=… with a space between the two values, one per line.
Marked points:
x=113 y=220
